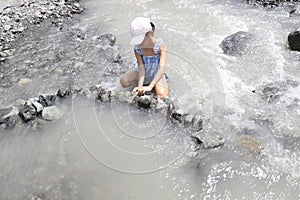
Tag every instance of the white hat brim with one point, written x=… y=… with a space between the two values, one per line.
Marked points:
x=137 y=39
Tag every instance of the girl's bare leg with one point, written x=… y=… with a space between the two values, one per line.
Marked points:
x=129 y=78
x=161 y=87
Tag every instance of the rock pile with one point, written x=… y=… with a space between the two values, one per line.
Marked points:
x=44 y=107
x=15 y=20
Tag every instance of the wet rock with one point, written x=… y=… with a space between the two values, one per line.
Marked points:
x=102 y=94
x=51 y=113
x=237 y=43
x=272 y=91
x=62 y=92
x=93 y=88
x=208 y=139
x=266 y=3
x=294 y=11
x=27 y=112
x=9 y=117
x=178 y=115
x=107 y=39
x=197 y=123
x=294 y=40
x=188 y=121
x=38 y=107
x=113 y=93
x=144 y=101
x=76 y=8
x=47 y=100
x=110 y=53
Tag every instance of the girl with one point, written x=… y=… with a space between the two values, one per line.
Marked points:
x=149 y=69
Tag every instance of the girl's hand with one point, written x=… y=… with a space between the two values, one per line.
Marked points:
x=137 y=90
x=141 y=90
x=146 y=89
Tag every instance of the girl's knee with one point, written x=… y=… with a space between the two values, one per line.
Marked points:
x=124 y=82
x=162 y=91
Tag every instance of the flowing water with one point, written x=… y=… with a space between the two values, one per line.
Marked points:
x=117 y=151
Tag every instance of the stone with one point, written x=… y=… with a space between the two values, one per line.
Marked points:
x=9 y=117
x=47 y=100
x=271 y=92
x=51 y=113
x=110 y=53
x=208 y=139
x=93 y=88
x=294 y=40
x=23 y=81
x=107 y=39
x=197 y=123
x=38 y=107
x=188 y=121
x=27 y=112
x=237 y=43
x=178 y=115
x=104 y=96
x=144 y=101
x=113 y=93
x=251 y=143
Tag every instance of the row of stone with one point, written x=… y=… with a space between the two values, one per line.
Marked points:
x=15 y=20
x=44 y=107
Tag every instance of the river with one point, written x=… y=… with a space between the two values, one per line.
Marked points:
x=117 y=151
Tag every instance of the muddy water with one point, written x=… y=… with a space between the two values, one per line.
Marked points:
x=116 y=151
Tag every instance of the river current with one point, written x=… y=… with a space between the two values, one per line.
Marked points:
x=117 y=151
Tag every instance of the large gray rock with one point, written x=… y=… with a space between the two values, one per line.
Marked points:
x=237 y=43
x=51 y=113
x=294 y=40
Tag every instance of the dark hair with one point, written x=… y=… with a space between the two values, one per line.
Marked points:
x=153 y=26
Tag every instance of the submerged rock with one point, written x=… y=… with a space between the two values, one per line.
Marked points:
x=237 y=43
x=294 y=40
x=208 y=139
x=251 y=143
x=107 y=39
x=272 y=91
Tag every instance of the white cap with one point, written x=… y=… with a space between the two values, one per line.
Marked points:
x=138 y=28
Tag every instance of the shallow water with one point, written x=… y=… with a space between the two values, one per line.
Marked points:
x=110 y=152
